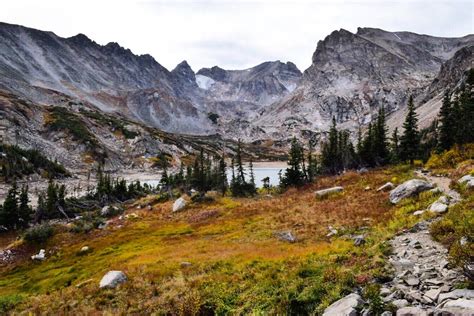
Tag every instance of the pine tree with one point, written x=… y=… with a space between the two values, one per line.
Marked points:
x=395 y=147
x=51 y=200
x=446 y=128
x=331 y=159
x=24 y=210
x=294 y=175
x=9 y=216
x=222 y=179
x=240 y=168
x=380 y=139
x=410 y=140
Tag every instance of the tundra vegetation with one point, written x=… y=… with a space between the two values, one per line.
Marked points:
x=222 y=254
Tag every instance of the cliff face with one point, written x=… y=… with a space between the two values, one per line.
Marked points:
x=353 y=75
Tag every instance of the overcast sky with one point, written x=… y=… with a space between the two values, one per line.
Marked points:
x=233 y=34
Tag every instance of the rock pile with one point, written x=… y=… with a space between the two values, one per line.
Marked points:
x=423 y=283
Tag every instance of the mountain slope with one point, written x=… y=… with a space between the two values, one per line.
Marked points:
x=353 y=75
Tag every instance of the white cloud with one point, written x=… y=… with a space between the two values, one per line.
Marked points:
x=229 y=33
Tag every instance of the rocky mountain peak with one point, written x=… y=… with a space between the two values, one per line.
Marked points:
x=184 y=73
x=216 y=73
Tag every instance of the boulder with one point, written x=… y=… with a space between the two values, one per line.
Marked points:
x=461 y=303
x=412 y=311
x=433 y=294
x=106 y=210
x=367 y=188
x=112 y=278
x=326 y=192
x=179 y=204
x=408 y=189
x=438 y=207
x=443 y=199
x=400 y=303
x=286 y=236
x=465 y=179
x=386 y=187
x=459 y=293
x=346 y=306
x=85 y=249
x=40 y=256
x=418 y=213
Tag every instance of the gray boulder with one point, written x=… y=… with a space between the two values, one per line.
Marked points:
x=179 y=204
x=346 y=306
x=459 y=293
x=409 y=188
x=326 y=192
x=112 y=278
x=412 y=311
x=40 y=256
x=359 y=240
x=465 y=179
x=438 y=207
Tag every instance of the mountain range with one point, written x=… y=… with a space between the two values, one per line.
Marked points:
x=351 y=76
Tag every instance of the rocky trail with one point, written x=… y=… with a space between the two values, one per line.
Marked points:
x=423 y=282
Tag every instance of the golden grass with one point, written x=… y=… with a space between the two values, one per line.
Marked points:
x=238 y=265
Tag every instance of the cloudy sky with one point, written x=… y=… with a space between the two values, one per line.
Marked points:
x=233 y=34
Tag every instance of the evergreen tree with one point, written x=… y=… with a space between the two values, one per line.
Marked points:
x=330 y=159
x=294 y=175
x=410 y=140
x=9 y=215
x=446 y=128
x=395 y=147
x=380 y=139
x=24 y=210
x=222 y=175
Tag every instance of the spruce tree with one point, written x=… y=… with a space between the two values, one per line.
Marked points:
x=294 y=175
x=380 y=139
x=222 y=183
x=410 y=140
x=395 y=147
x=446 y=128
x=24 y=210
x=9 y=216
x=312 y=163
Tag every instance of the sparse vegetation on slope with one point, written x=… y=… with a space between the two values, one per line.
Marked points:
x=237 y=263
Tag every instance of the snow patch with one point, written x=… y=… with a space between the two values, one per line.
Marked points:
x=204 y=82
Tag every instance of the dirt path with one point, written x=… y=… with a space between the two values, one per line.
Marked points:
x=423 y=282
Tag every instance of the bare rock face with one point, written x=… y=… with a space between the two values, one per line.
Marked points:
x=409 y=188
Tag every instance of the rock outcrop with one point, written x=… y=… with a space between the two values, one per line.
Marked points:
x=409 y=188
x=346 y=306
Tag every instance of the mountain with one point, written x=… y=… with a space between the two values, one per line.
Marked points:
x=353 y=75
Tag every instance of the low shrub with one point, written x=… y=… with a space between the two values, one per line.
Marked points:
x=8 y=302
x=38 y=233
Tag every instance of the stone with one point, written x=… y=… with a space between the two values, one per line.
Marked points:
x=386 y=187
x=385 y=291
x=438 y=207
x=332 y=231
x=286 y=236
x=40 y=256
x=112 y=278
x=359 y=240
x=85 y=249
x=329 y=191
x=443 y=199
x=106 y=211
x=400 y=303
x=461 y=303
x=412 y=281
x=367 y=188
x=433 y=294
x=179 y=204
x=411 y=311
x=363 y=170
x=418 y=213
x=436 y=190
x=409 y=188
x=346 y=306
x=386 y=313
x=468 y=270
x=458 y=293
x=463 y=241
x=465 y=179
x=185 y=264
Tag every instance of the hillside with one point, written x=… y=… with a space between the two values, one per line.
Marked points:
x=212 y=257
